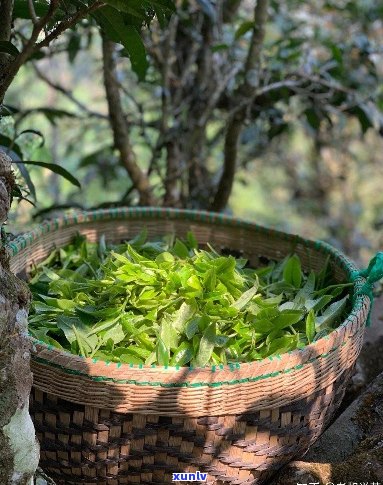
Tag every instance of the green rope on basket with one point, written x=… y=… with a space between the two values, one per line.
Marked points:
x=373 y=273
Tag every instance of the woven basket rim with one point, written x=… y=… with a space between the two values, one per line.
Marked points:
x=73 y=364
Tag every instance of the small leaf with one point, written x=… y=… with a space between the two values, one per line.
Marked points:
x=56 y=169
x=245 y=298
x=183 y=315
x=130 y=358
x=165 y=257
x=194 y=283
x=50 y=273
x=206 y=345
x=281 y=345
x=287 y=318
x=312 y=118
x=310 y=326
x=182 y=355
x=25 y=174
x=118 y=31
x=73 y=46
x=11 y=148
x=292 y=272
x=221 y=340
x=21 y=9
x=180 y=250
x=115 y=333
x=34 y=132
x=191 y=240
x=192 y=327
x=168 y=334
x=331 y=314
x=136 y=51
x=243 y=29
x=307 y=289
x=162 y=353
x=319 y=303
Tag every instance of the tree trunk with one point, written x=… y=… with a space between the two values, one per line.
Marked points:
x=6 y=9
x=19 y=454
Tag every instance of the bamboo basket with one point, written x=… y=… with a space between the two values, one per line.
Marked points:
x=110 y=424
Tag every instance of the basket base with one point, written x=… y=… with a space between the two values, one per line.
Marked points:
x=86 y=445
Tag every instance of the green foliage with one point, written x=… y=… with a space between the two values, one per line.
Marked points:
x=55 y=169
x=319 y=87
x=168 y=303
x=13 y=144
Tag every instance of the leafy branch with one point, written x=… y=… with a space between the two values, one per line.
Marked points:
x=32 y=46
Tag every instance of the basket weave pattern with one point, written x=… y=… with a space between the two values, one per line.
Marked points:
x=83 y=444
x=113 y=424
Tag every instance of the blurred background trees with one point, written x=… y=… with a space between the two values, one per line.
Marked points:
x=268 y=110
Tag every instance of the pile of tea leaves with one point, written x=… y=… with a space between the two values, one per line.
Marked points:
x=167 y=302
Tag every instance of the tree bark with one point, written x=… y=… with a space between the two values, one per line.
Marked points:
x=225 y=185
x=6 y=9
x=19 y=454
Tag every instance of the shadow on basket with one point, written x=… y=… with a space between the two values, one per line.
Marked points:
x=237 y=431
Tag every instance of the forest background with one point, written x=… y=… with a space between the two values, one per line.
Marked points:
x=270 y=111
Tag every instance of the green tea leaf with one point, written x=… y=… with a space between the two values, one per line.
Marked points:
x=182 y=355
x=292 y=272
x=180 y=249
x=191 y=240
x=129 y=357
x=310 y=326
x=192 y=327
x=307 y=290
x=206 y=346
x=331 y=314
x=183 y=315
x=281 y=345
x=165 y=257
x=168 y=334
x=319 y=303
x=159 y=302
x=244 y=299
x=162 y=353
x=115 y=333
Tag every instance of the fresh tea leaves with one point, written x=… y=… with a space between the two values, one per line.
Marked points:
x=169 y=303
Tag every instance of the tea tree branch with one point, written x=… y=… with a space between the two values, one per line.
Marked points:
x=66 y=24
x=244 y=96
x=119 y=125
x=32 y=46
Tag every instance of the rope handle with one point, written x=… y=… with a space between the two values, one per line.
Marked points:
x=372 y=274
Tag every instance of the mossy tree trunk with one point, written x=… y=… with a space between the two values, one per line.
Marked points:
x=19 y=450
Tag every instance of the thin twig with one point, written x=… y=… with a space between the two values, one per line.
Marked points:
x=32 y=12
x=68 y=94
